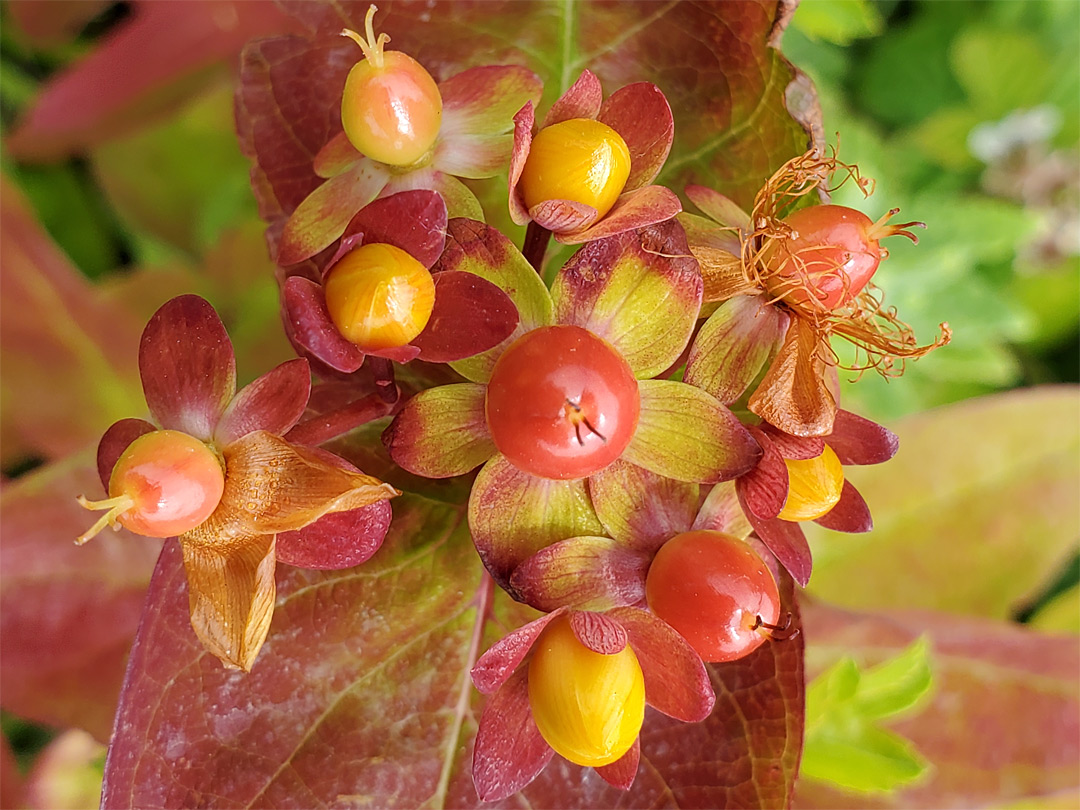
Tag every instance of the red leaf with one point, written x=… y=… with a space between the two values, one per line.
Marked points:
x=166 y=52
x=471 y=315
x=67 y=613
x=337 y=540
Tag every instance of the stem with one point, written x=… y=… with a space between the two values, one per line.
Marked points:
x=337 y=423
x=383 y=372
x=536 y=242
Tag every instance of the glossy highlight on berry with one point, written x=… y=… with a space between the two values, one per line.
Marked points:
x=580 y=160
x=379 y=297
x=391 y=108
x=716 y=591
x=814 y=486
x=164 y=484
x=588 y=706
x=562 y=403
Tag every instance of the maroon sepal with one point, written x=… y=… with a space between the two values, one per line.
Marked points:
x=471 y=315
x=598 y=632
x=856 y=440
x=274 y=402
x=115 y=442
x=509 y=751
x=581 y=100
x=496 y=666
x=337 y=540
x=563 y=215
x=308 y=325
x=794 y=447
x=851 y=514
x=764 y=489
x=414 y=221
x=621 y=772
x=786 y=541
x=641 y=114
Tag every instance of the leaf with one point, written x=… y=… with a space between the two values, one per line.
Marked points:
x=67 y=773
x=68 y=353
x=838 y=21
x=977 y=509
x=67 y=613
x=389 y=711
x=999 y=727
x=163 y=54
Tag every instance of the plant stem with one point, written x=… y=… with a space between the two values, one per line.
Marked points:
x=330 y=425
x=383 y=372
x=536 y=242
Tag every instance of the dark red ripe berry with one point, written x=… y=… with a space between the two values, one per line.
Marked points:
x=562 y=403
x=833 y=252
x=715 y=591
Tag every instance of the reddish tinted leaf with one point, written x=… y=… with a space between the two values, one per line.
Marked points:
x=66 y=774
x=765 y=488
x=784 y=539
x=641 y=115
x=274 y=402
x=621 y=773
x=164 y=53
x=308 y=325
x=856 y=440
x=68 y=353
x=851 y=514
x=590 y=573
x=1001 y=724
x=67 y=613
x=337 y=540
x=649 y=205
x=414 y=221
x=53 y=23
x=471 y=315
x=583 y=99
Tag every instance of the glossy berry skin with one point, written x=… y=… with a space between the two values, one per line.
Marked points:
x=588 y=706
x=712 y=588
x=391 y=108
x=581 y=160
x=562 y=403
x=379 y=297
x=174 y=481
x=832 y=254
x=814 y=486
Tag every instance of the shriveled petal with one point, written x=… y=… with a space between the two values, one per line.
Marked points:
x=642 y=510
x=704 y=233
x=587 y=573
x=475 y=156
x=325 y=213
x=272 y=486
x=734 y=344
x=641 y=114
x=676 y=681
x=494 y=667
x=794 y=447
x=441 y=432
x=513 y=515
x=793 y=395
x=231 y=597
x=414 y=221
x=686 y=434
x=640 y=291
x=787 y=543
x=476 y=248
x=308 y=325
x=509 y=751
x=621 y=773
x=851 y=514
x=722 y=512
x=722 y=210
x=115 y=442
x=471 y=315
x=338 y=540
x=524 y=121
x=764 y=489
x=560 y=216
x=634 y=209
x=722 y=272
x=483 y=100
x=274 y=402
x=598 y=632
x=856 y=440
x=187 y=366
x=581 y=100
x=335 y=157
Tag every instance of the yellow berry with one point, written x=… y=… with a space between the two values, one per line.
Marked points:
x=814 y=486
x=379 y=297
x=588 y=706
x=580 y=160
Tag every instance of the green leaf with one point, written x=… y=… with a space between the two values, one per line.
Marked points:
x=872 y=761
x=1061 y=614
x=838 y=21
x=1000 y=70
x=975 y=513
x=896 y=685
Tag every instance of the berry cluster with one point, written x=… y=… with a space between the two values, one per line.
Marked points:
x=649 y=429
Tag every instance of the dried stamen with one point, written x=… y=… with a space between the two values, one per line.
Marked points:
x=115 y=508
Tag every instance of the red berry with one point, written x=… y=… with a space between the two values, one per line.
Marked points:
x=391 y=108
x=831 y=255
x=164 y=484
x=715 y=591
x=562 y=403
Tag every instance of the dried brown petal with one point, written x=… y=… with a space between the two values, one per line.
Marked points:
x=793 y=396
